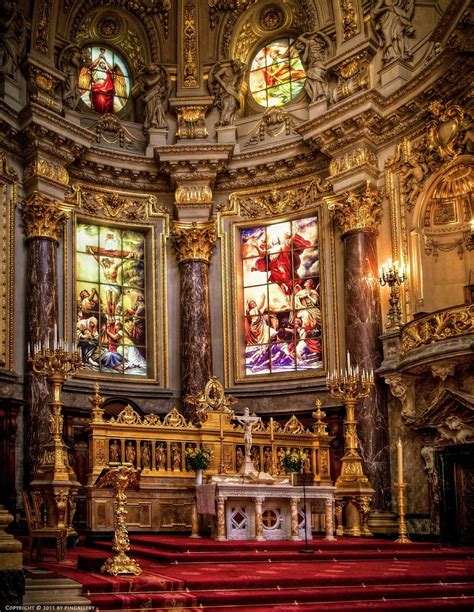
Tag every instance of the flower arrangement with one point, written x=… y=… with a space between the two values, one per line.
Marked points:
x=293 y=460
x=198 y=458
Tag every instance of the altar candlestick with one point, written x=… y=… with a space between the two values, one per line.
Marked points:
x=400 y=461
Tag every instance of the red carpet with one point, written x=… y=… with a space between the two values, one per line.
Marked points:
x=349 y=574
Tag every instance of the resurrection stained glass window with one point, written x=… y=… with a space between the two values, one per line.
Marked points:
x=111 y=304
x=281 y=278
x=104 y=82
x=276 y=74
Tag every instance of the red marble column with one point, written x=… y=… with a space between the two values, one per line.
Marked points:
x=193 y=243
x=43 y=222
x=357 y=213
x=363 y=326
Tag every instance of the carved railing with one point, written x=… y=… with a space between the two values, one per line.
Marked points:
x=437 y=326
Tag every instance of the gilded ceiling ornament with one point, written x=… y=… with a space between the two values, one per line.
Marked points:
x=349 y=19
x=271 y=18
x=193 y=241
x=450 y=323
x=358 y=209
x=46 y=169
x=43 y=218
x=245 y=41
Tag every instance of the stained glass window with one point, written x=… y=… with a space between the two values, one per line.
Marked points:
x=281 y=291
x=111 y=303
x=104 y=82
x=276 y=74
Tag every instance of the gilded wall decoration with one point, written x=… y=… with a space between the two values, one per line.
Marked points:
x=274 y=121
x=109 y=129
x=271 y=18
x=113 y=204
x=191 y=122
x=43 y=218
x=47 y=169
x=349 y=19
x=8 y=197
x=193 y=240
x=190 y=46
x=354 y=159
x=276 y=202
x=42 y=87
x=193 y=194
x=246 y=40
x=357 y=209
x=352 y=76
x=449 y=323
x=42 y=26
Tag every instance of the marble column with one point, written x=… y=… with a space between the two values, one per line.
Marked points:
x=43 y=221
x=357 y=213
x=193 y=243
x=258 y=501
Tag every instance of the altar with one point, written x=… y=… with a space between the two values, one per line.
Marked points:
x=279 y=511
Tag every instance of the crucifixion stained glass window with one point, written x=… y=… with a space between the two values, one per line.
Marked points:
x=111 y=305
x=276 y=74
x=281 y=285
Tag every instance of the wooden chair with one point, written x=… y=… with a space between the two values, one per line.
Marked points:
x=36 y=530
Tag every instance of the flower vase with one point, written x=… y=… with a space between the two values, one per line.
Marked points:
x=198 y=477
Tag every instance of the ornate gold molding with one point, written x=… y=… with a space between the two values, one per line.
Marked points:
x=438 y=326
x=349 y=19
x=8 y=196
x=46 y=169
x=43 y=218
x=118 y=205
x=358 y=209
x=42 y=87
x=193 y=194
x=191 y=121
x=353 y=159
x=277 y=202
x=353 y=76
x=193 y=240
x=42 y=26
x=190 y=46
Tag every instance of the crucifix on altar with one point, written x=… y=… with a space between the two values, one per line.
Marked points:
x=248 y=422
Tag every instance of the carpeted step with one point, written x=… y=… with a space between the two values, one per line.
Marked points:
x=260 y=597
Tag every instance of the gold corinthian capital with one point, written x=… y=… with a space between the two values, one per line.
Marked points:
x=193 y=240
x=43 y=218
x=358 y=209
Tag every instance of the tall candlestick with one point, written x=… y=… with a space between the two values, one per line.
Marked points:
x=399 y=461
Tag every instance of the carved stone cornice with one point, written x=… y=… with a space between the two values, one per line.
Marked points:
x=358 y=209
x=193 y=241
x=361 y=156
x=43 y=218
x=193 y=161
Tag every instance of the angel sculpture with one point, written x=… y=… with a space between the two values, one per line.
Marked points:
x=154 y=88
x=71 y=60
x=313 y=48
x=224 y=83
x=104 y=82
x=392 y=22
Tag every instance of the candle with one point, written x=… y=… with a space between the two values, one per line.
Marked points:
x=55 y=332
x=271 y=428
x=399 y=461
x=221 y=426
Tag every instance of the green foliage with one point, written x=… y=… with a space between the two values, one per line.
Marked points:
x=293 y=460
x=198 y=458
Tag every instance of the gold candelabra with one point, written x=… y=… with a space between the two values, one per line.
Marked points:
x=393 y=274
x=55 y=478
x=121 y=478
x=351 y=385
x=401 y=486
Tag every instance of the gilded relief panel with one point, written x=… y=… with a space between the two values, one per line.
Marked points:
x=8 y=197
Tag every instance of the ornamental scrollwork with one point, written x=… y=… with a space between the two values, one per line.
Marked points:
x=293 y=426
x=190 y=46
x=450 y=323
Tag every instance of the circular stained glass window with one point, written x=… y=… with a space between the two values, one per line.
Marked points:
x=105 y=81
x=276 y=74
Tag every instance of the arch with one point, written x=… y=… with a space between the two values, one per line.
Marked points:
x=441 y=246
